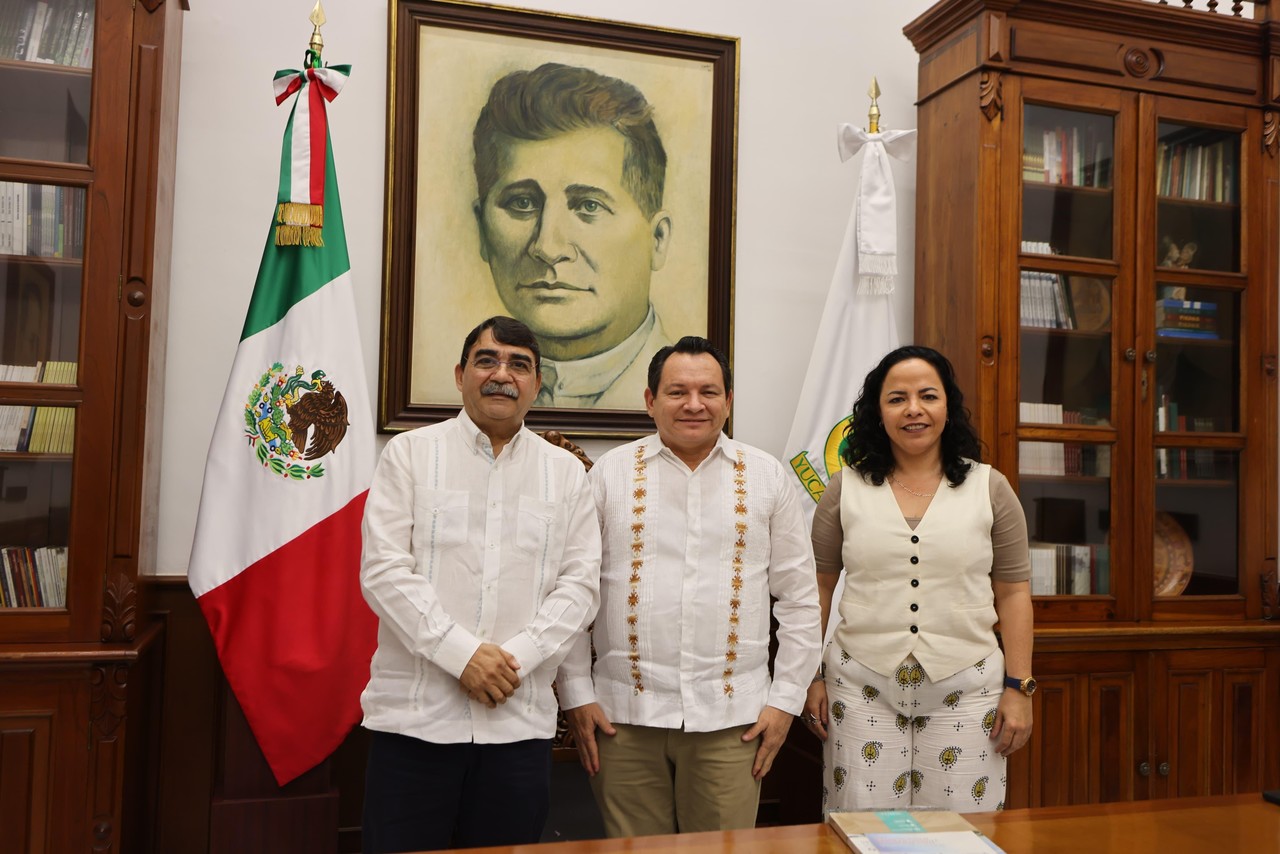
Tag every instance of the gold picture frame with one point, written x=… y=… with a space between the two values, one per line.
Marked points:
x=448 y=261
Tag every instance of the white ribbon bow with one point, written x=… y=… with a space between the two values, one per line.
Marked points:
x=877 y=214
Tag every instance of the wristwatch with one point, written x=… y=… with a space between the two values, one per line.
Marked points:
x=1026 y=686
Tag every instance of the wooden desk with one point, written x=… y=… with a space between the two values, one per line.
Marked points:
x=1228 y=824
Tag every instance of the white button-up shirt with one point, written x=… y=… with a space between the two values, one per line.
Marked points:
x=695 y=666
x=462 y=548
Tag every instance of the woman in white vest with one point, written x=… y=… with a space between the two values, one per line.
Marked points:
x=916 y=702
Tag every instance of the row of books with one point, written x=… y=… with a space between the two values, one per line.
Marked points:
x=1183 y=318
x=51 y=31
x=1043 y=301
x=1168 y=418
x=1192 y=464
x=51 y=371
x=41 y=219
x=1063 y=569
x=1033 y=412
x=1063 y=459
x=1066 y=156
x=33 y=578
x=37 y=429
x=1199 y=171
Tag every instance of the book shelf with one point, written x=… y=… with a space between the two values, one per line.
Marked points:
x=1109 y=302
x=85 y=176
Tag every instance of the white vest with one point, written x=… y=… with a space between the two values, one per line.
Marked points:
x=925 y=592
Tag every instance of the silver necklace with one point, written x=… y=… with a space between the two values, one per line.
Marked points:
x=906 y=488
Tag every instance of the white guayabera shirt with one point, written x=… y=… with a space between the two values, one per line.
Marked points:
x=462 y=548
x=690 y=561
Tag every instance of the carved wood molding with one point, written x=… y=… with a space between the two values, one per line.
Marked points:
x=1270 y=131
x=991 y=94
x=119 y=610
x=1138 y=62
x=107 y=697
x=555 y=437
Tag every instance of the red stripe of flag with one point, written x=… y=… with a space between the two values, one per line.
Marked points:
x=303 y=638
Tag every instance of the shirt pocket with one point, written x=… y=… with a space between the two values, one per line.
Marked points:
x=535 y=527
x=440 y=520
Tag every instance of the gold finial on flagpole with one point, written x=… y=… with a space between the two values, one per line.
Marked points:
x=316 y=44
x=873 y=115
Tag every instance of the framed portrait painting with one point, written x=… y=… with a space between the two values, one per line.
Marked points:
x=575 y=174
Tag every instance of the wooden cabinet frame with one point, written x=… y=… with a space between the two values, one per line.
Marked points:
x=74 y=680
x=1141 y=695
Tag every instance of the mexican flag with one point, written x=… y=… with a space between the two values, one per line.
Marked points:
x=276 y=561
x=857 y=327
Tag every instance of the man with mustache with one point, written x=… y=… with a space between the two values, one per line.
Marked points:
x=481 y=560
x=680 y=719
x=570 y=172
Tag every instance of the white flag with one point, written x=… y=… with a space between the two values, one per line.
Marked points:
x=857 y=326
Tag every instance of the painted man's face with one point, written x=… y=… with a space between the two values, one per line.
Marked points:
x=570 y=250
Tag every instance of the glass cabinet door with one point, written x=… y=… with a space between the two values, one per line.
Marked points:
x=41 y=271
x=1067 y=158
x=1068 y=287
x=46 y=80
x=46 y=61
x=1065 y=490
x=1197 y=320
x=1197 y=198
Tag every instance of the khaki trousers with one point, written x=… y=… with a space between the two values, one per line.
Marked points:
x=654 y=780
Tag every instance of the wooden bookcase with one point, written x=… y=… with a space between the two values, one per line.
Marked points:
x=1096 y=233
x=88 y=104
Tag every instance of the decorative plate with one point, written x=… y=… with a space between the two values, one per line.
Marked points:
x=1090 y=303
x=1173 y=558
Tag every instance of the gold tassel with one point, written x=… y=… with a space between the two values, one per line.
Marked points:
x=298 y=235
x=292 y=213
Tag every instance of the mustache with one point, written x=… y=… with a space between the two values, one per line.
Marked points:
x=492 y=387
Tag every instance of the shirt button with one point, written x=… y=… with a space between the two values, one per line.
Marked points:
x=914 y=629
x=915 y=559
x=493 y=546
x=915 y=607
x=914 y=538
x=915 y=582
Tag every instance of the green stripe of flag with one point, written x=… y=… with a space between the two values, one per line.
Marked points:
x=290 y=274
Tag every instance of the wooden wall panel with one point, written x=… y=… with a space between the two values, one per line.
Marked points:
x=25 y=757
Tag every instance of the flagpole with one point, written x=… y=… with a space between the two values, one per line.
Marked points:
x=316 y=44
x=873 y=114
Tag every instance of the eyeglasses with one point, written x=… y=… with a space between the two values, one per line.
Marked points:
x=517 y=367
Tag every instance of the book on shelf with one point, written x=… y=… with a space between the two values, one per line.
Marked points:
x=33 y=577
x=1044 y=302
x=1197 y=171
x=1065 y=568
x=47 y=31
x=938 y=831
x=1072 y=157
x=43 y=220
x=1176 y=332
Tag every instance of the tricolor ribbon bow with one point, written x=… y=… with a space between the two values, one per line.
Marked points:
x=300 y=208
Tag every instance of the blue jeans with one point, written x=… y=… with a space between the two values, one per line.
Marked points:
x=422 y=796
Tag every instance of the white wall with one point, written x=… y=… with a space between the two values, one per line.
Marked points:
x=805 y=67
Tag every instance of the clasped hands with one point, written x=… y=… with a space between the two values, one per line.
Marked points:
x=1011 y=732
x=490 y=676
